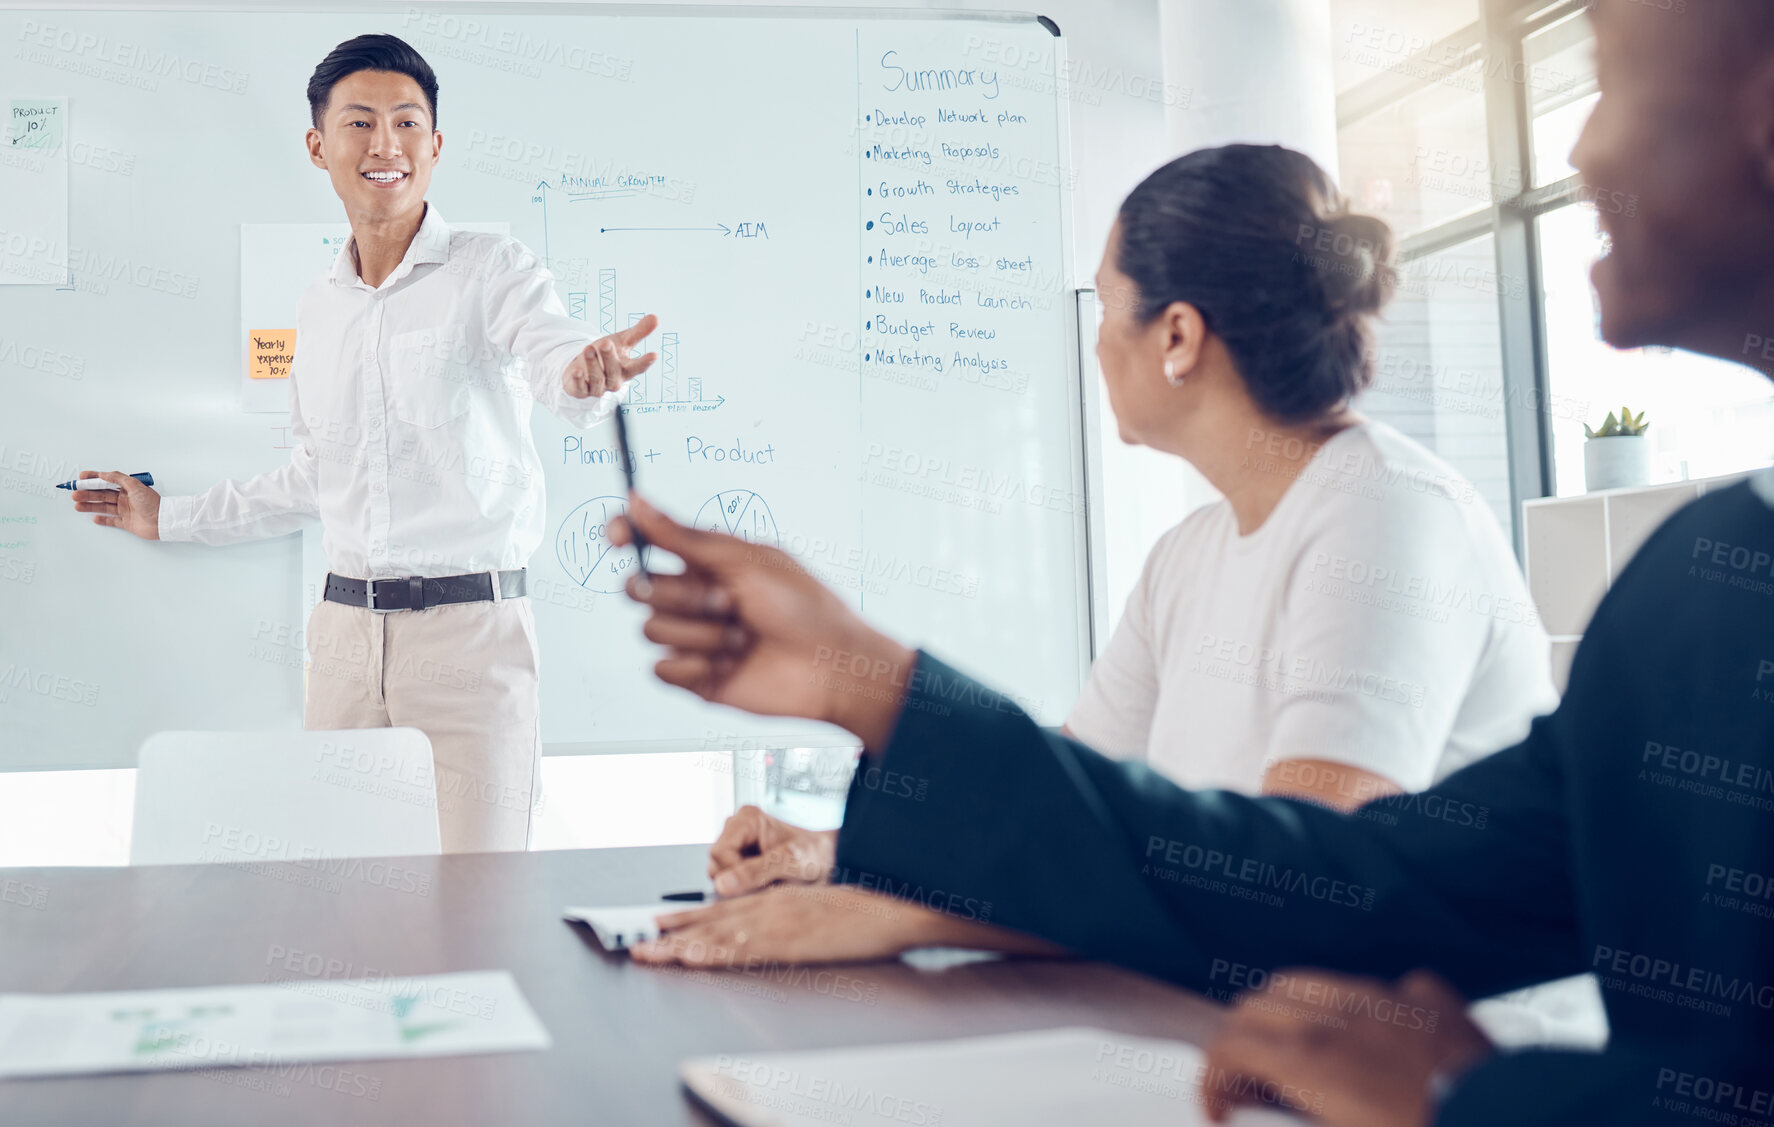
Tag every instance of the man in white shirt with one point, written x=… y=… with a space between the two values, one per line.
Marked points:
x=417 y=360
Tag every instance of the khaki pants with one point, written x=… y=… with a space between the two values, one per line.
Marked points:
x=466 y=676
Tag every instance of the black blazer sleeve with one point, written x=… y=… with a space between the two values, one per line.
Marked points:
x=975 y=810
x=1622 y=1087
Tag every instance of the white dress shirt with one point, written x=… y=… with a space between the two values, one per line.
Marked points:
x=410 y=405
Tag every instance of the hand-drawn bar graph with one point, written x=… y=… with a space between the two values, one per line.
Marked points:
x=606 y=301
x=662 y=385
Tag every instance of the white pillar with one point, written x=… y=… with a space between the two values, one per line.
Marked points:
x=1256 y=71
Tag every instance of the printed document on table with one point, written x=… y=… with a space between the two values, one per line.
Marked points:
x=284 y=1021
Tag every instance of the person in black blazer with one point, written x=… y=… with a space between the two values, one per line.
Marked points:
x=1630 y=834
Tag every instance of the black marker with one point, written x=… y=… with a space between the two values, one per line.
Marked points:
x=640 y=540
x=100 y=483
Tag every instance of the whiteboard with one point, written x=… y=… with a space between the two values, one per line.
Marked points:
x=854 y=227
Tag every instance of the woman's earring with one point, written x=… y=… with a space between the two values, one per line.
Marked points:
x=1170 y=374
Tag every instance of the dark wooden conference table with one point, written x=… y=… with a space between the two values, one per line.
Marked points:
x=619 y=1030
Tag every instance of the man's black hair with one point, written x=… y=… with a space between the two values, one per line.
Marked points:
x=370 y=52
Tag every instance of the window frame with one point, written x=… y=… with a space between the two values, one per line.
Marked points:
x=1501 y=33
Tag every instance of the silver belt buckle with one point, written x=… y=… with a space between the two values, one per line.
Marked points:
x=369 y=599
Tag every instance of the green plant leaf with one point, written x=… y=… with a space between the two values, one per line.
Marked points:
x=1625 y=424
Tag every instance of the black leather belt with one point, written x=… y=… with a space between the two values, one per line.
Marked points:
x=418 y=592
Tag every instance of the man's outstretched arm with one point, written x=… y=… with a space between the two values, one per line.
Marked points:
x=1023 y=828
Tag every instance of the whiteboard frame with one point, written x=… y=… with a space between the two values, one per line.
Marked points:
x=530 y=8
x=1096 y=536
x=1082 y=394
x=1081 y=342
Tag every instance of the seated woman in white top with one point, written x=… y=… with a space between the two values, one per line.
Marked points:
x=1348 y=621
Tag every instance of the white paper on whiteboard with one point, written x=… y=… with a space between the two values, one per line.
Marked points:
x=34 y=191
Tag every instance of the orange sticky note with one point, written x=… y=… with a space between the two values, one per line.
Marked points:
x=270 y=352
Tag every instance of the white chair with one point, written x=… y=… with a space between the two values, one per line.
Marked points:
x=284 y=796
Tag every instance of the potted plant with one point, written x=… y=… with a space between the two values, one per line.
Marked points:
x=1618 y=455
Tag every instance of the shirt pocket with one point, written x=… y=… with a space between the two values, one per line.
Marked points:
x=430 y=371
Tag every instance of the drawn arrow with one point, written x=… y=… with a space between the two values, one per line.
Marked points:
x=721 y=227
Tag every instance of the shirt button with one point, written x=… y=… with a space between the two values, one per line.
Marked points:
x=379 y=487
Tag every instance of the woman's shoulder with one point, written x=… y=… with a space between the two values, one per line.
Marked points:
x=1379 y=455
x=1184 y=545
x=1374 y=469
x=1382 y=487
x=1203 y=524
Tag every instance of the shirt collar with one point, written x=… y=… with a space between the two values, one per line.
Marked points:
x=431 y=243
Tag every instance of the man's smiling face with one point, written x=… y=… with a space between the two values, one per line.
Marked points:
x=1681 y=132
x=377 y=142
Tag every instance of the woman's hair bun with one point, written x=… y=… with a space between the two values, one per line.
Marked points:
x=1260 y=241
x=1355 y=264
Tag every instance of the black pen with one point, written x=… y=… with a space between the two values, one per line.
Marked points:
x=640 y=540
x=685 y=896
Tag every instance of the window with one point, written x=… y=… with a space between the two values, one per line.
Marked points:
x=1438 y=372
x=1400 y=37
x=1560 y=65
x=1707 y=418
x=1414 y=147
x=1421 y=161
x=803 y=785
x=1456 y=121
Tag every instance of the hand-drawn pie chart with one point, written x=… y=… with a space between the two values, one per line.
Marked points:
x=585 y=552
x=741 y=513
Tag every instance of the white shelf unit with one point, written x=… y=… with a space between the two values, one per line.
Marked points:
x=1575 y=547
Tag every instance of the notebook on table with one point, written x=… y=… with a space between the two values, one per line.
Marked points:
x=1044 y=1078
